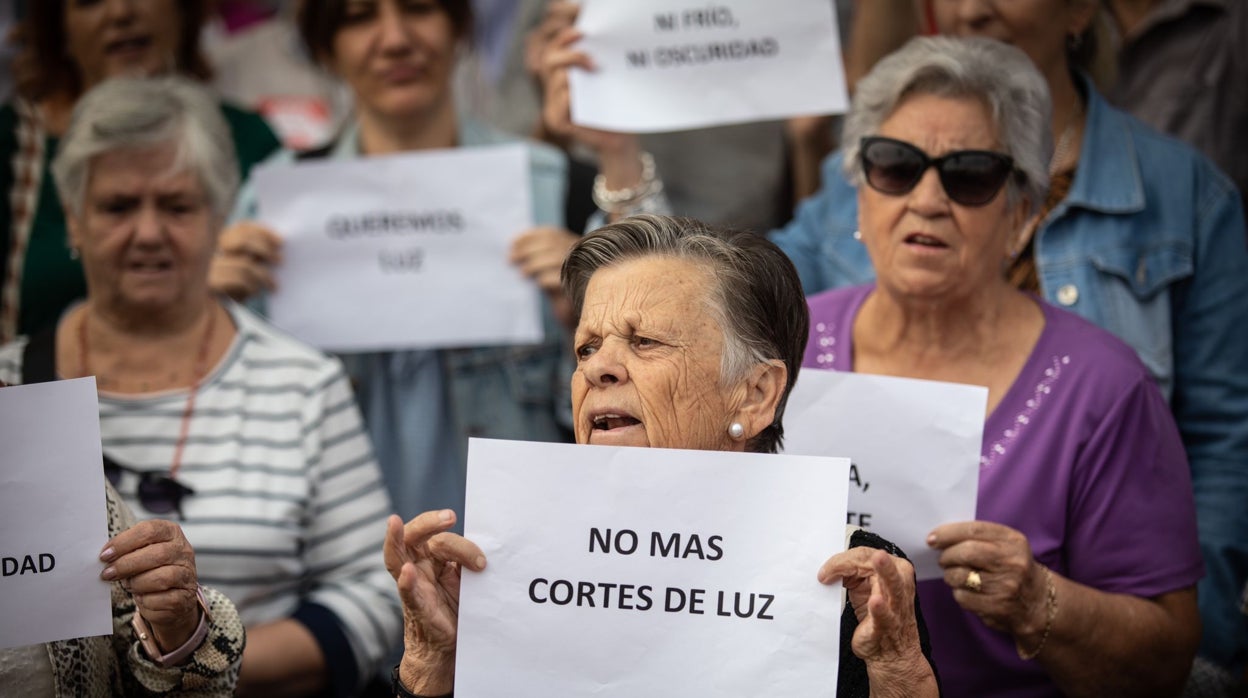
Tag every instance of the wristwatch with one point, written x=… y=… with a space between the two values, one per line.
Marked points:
x=399 y=691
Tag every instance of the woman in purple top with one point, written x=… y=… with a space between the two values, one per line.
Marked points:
x=1078 y=575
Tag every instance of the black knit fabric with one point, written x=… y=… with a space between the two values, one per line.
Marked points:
x=852 y=681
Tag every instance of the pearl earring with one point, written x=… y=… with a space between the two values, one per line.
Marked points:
x=736 y=431
x=73 y=252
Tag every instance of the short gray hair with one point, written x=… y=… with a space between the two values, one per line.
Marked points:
x=999 y=75
x=757 y=299
x=130 y=113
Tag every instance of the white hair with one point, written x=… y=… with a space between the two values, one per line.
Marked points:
x=133 y=113
x=999 y=75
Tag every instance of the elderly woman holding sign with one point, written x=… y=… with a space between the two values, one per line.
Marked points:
x=1078 y=578
x=688 y=337
x=170 y=636
x=208 y=414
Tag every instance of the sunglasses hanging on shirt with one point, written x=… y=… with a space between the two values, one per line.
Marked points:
x=157 y=492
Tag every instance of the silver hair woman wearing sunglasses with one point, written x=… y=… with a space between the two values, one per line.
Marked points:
x=1078 y=575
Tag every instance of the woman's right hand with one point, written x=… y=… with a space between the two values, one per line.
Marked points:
x=560 y=14
x=618 y=153
x=425 y=561
x=243 y=265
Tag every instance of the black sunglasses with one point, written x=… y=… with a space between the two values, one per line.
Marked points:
x=970 y=177
x=158 y=493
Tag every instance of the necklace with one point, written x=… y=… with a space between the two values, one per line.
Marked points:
x=201 y=360
x=1067 y=137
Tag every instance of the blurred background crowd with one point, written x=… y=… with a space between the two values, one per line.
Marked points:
x=1140 y=230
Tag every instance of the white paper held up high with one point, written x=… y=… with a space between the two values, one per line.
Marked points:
x=669 y=66
x=402 y=251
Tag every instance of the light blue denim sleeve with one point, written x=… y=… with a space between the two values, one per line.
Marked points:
x=821 y=239
x=1210 y=404
x=246 y=206
x=802 y=238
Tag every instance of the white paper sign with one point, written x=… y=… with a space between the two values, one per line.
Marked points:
x=914 y=444
x=402 y=251
x=618 y=572
x=53 y=519
x=669 y=65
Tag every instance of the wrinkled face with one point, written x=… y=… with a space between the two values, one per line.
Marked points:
x=397 y=55
x=1038 y=27
x=146 y=236
x=108 y=38
x=648 y=359
x=921 y=243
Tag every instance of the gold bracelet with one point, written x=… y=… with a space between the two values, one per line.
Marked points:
x=1051 y=603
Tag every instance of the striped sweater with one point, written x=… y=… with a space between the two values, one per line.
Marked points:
x=288 y=512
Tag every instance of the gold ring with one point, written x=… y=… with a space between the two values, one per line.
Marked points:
x=973 y=581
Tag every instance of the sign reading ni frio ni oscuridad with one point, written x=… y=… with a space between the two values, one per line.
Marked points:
x=670 y=65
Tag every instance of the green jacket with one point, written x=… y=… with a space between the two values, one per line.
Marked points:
x=50 y=279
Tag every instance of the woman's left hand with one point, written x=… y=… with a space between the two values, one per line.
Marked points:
x=881 y=592
x=539 y=253
x=154 y=563
x=243 y=265
x=1008 y=587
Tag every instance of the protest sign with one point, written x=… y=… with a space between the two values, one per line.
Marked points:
x=53 y=522
x=914 y=447
x=402 y=251
x=639 y=572
x=669 y=65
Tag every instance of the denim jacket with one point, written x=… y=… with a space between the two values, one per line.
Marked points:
x=421 y=406
x=1150 y=245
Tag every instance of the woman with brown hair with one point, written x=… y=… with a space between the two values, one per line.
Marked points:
x=69 y=47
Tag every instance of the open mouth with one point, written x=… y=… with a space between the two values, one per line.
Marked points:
x=922 y=240
x=612 y=421
x=128 y=46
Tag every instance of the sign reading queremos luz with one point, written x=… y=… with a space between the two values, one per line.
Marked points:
x=52 y=514
x=668 y=65
x=635 y=571
x=397 y=252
